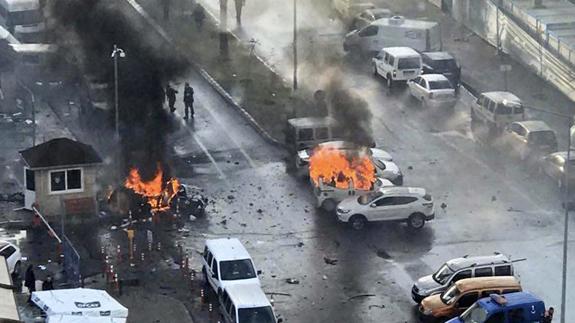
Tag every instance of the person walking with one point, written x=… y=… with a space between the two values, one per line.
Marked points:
x=239 y=6
x=30 y=281
x=199 y=16
x=188 y=101
x=171 y=95
x=48 y=284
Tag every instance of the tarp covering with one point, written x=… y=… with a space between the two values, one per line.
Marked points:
x=80 y=305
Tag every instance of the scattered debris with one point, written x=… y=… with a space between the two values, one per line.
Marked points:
x=324 y=277
x=231 y=197
x=383 y=254
x=378 y=306
x=493 y=198
x=292 y=281
x=360 y=296
x=224 y=222
x=330 y=261
x=243 y=225
x=260 y=211
x=300 y=244
x=511 y=209
x=443 y=205
x=410 y=167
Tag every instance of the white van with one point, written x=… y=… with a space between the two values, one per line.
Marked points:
x=423 y=36
x=226 y=262
x=397 y=64
x=246 y=304
x=302 y=133
x=24 y=19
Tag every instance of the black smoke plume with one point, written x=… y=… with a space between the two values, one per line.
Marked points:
x=88 y=29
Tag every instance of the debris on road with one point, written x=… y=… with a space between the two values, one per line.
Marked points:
x=378 y=306
x=330 y=261
x=360 y=296
x=292 y=281
x=443 y=205
x=493 y=198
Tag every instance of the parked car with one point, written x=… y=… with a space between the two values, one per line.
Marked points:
x=465 y=293
x=302 y=133
x=303 y=156
x=495 y=110
x=328 y=196
x=421 y=35
x=399 y=204
x=397 y=64
x=442 y=63
x=460 y=268
x=226 y=262
x=245 y=304
x=433 y=91
x=509 y=308
x=553 y=166
x=13 y=257
x=368 y=16
x=528 y=139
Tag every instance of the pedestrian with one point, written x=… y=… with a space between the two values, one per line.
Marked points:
x=171 y=95
x=30 y=281
x=188 y=100
x=48 y=284
x=239 y=6
x=548 y=315
x=199 y=16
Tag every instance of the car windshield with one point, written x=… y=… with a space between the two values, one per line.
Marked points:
x=450 y=295
x=262 y=314
x=379 y=164
x=237 y=269
x=444 y=65
x=409 y=63
x=367 y=198
x=440 y=85
x=442 y=275
x=542 y=138
x=474 y=314
x=509 y=108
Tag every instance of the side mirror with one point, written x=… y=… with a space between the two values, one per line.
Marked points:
x=373 y=205
x=259 y=272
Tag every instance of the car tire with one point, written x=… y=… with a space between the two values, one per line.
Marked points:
x=389 y=81
x=17 y=273
x=375 y=70
x=329 y=205
x=357 y=222
x=416 y=221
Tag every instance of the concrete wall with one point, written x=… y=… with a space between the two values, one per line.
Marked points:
x=52 y=204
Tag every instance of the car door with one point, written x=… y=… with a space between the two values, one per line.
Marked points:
x=368 y=38
x=423 y=88
x=413 y=86
x=381 y=209
x=465 y=301
x=518 y=138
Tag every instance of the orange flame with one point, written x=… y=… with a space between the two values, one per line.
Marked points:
x=338 y=167
x=158 y=195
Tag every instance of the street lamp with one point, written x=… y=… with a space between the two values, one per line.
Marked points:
x=295 y=44
x=115 y=53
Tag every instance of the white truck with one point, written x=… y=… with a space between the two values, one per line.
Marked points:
x=421 y=35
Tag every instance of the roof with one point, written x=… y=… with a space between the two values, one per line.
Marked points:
x=309 y=122
x=402 y=190
x=513 y=299
x=34 y=48
x=247 y=295
x=85 y=302
x=434 y=77
x=535 y=125
x=60 y=152
x=466 y=262
x=487 y=282
x=398 y=21
x=227 y=249
x=437 y=56
x=499 y=96
x=401 y=51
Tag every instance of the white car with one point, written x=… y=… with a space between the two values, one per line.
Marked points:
x=401 y=204
x=397 y=64
x=13 y=257
x=328 y=196
x=433 y=91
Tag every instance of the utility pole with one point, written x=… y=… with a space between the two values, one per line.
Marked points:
x=295 y=44
x=115 y=53
x=566 y=228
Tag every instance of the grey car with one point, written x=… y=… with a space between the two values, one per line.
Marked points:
x=460 y=268
x=528 y=139
x=553 y=166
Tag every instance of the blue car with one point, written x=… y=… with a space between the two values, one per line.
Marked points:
x=509 y=308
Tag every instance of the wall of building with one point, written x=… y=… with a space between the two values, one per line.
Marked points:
x=52 y=204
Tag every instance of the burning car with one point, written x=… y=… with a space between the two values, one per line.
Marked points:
x=329 y=195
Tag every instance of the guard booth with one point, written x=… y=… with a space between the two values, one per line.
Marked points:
x=8 y=309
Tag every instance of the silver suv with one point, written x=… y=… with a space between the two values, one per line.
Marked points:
x=460 y=268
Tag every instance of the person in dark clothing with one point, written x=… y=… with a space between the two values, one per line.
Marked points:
x=239 y=6
x=30 y=281
x=171 y=95
x=166 y=5
x=188 y=100
x=199 y=16
x=48 y=284
x=549 y=315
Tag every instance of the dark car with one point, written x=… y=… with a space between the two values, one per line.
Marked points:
x=442 y=63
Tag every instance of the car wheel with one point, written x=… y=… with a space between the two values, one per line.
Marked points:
x=328 y=205
x=358 y=222
x=416 y=221
x=389 y=81
x=17 y=273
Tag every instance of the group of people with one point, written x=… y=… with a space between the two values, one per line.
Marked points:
x=30 y=282
x=188 y=100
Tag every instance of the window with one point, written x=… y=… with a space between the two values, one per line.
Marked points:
x=417 y=80
x=385 y=201
x=491 y=106
x=305 y=134
x=486 y=293
x=545 y=137
x=386 y=57
x=462 y=275
x=30 y=180
x=516 y=315
x=440 y=85
x=401 y=200
x=423 y=83
x=215 y=268
x=368 y=31
x=7 y=252
x=467 y=300
x=262 y=314
x=209 y=259
x=391 y=60
x=496 y=318
x=66 y=180
x=484 y=272
x=503 y=270
x=321 y=133
x=409 y=63
x=237 y=269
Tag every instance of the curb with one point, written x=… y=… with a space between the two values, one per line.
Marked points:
x=213 y=83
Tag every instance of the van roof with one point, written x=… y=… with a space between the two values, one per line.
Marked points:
x=487 y=282
x=513 y=299
x=34 y=48
x=247 y=295
x=405 y=23
x=499 y=96
x=310 y=122
x=227 y=249
x=466 y=262
x=401 y=51
x=535 y=125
